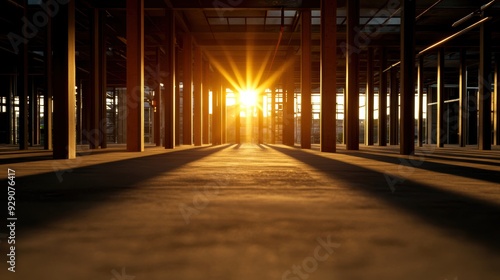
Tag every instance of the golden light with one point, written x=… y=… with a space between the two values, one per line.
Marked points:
x=248 y=98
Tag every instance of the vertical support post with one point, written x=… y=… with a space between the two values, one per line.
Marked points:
x=288 y=99
x=237 y=124
x=382 y=100
x=22 y=91
x=407 y=78
x=177 y=97
x=135 y=75
x=64 y=89
x=496 y=109
x=169 y=94
x=260 y=110
x=34 y=125
x=370 y=97
x=47 y=102
x=273 y=114
x=187 y=131
x=328 y=75
x=441 y=134
x=93 y=135
x=224 y=111
x=485 y=79
x=197 y=97
x=306 y=105
x=205 y=108
x=103 y=81
x=216 y=110
x=352 y=78
x=420 y=113
x=462 y=100
x=394 y=108
x=157 y=101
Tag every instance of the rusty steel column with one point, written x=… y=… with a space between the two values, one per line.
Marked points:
x=352 y=78
x=306 y=78
x=369 y=99
x=197 y=97
x=169 y=92
x=382 y=100
x=64 y=142
x=328 y=75
x=135 y=75
x=187 y=111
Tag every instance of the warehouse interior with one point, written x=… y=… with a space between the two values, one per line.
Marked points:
x=252 y=139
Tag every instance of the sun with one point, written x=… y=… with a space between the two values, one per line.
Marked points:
x=248 y=98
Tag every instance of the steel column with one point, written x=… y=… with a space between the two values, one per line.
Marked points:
x=328 y=75
x=135 y=75
x=306 y=107
x=407 y=78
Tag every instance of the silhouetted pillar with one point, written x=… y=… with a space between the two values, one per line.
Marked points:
x=407 y=78
x=135 y=75
x=197 y=97
x=441 y=134
x=462 y=100
x=485 y=75
x=64 y=85
x=216 y=110
x=34 y=115
x=352 y=77
x=169 y=92
x=288 y=100
x=103 y=81
x=328 y=75
x=224 y=111
x=205 y=88
x=420 y=113
x=394 y=108
x=306 y=106
x=47 y=117
x=260 y=110
x=177 y=97
x=382 y=100
x=22 y=92
x=496 y=109
x=157 y=101
x=95 y=132
x=369 y=99
x=187 y=98
x=237 y=125
x=273 y=114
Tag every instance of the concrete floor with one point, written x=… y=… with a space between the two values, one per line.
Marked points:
x=255 y=212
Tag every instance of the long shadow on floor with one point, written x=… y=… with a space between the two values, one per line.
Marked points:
x=464 y=216
x=421 y=163
x=46 y=198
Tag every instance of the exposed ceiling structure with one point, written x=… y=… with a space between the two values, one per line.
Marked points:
x=264 y=32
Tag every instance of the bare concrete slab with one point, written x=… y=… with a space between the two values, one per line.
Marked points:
x=255 y=212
